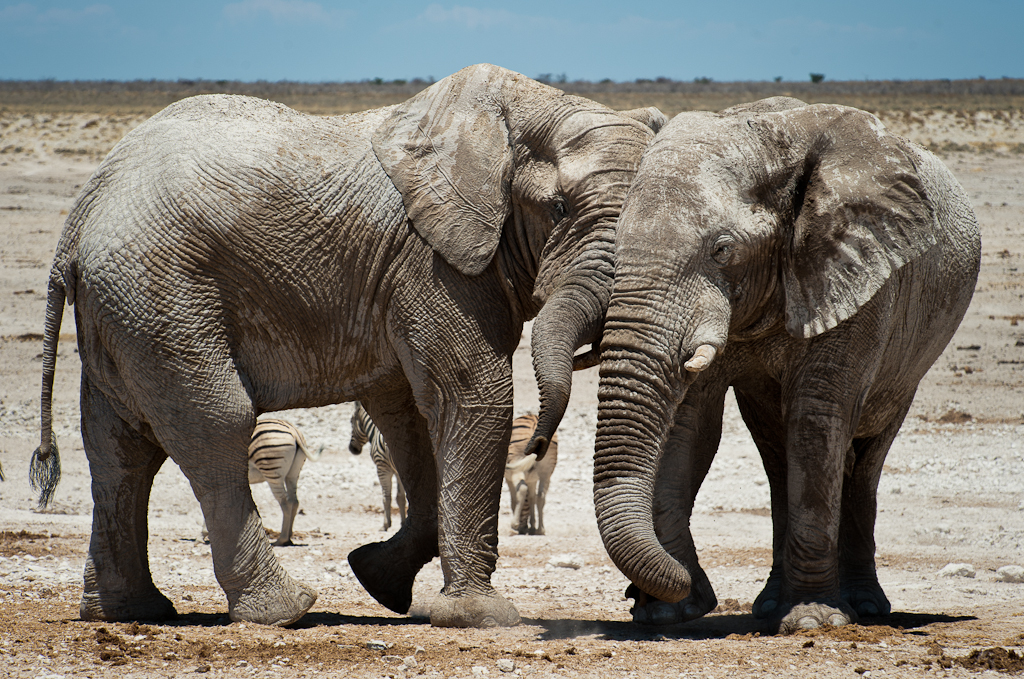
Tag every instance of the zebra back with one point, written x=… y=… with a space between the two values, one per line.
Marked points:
x=273 y=447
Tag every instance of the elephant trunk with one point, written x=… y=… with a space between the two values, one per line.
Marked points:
x=635 y=412
x=572 y=317
x=650 y=357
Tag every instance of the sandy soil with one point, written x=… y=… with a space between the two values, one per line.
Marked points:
x=953 y=493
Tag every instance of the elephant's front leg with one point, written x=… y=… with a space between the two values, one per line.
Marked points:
x=471 y=441
x=388 y=569
x=689 y=451
x=817 y=443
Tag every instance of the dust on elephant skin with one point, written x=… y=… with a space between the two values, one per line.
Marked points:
x=232 y=257
x=816 y=264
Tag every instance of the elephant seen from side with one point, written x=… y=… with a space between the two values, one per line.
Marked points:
x=232 y=257
x=817 y=264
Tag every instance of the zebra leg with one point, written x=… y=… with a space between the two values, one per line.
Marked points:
x=384 y=474
x=542 y=491
x=290 y=505
x=400 y=498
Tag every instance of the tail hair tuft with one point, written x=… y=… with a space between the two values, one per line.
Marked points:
x=44 y=472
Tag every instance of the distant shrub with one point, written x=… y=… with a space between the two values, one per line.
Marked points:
x=817 y=77
x=702 y=80
x=777 y=78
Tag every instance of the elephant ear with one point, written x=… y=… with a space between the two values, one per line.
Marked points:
x=447 y=152
x=860 y=214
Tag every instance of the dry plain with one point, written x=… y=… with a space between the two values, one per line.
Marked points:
x=952 y=492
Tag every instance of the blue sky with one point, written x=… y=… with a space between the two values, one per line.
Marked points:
x=322 y=40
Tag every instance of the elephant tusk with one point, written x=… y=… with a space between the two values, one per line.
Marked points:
x=701 y=358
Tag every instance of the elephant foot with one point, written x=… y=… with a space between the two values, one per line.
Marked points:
x=813 y=615
x=283 y=543
x=277 y=604
x=473 y=610
x=648 y=610
x=865 y=596
x=107 y=607
x=388 y=579
x=767 y=602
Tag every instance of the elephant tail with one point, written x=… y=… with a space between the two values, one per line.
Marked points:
x=44 y=469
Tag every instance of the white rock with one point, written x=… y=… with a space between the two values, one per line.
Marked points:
x=377 y=645
x=1011 y=573
x=574 y=561
x=957 y=570
x=507 y=665
x=479 y=671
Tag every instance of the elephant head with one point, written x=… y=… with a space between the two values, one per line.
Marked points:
x=496 y=169
x=769 y=218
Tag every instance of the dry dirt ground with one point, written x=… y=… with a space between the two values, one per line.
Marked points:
x=952 y=492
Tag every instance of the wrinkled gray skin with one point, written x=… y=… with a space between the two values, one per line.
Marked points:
x=232 y=257
x=277 y=454
x=528 y=478
x=817 y=264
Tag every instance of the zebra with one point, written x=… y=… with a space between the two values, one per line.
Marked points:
x=528 y=479
x=277 y=452
x=363 y=431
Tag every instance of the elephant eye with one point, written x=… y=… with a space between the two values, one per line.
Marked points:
x=724 y=250
x=559 y=209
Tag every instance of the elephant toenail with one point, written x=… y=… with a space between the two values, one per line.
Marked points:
x=867 y=609
x=768 y=605
x=807 y=622
x=838 y=620
x=692 y=612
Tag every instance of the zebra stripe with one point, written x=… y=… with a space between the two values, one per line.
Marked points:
x=273 y=447
x=522 y=429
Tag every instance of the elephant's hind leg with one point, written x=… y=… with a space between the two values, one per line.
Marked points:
x=212 y=453
x=858 y=579
x=118 y=583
